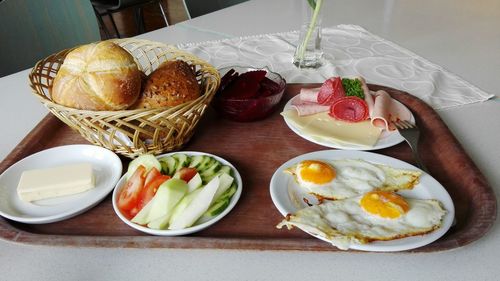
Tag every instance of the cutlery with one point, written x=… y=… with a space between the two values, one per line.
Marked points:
x=411 y=133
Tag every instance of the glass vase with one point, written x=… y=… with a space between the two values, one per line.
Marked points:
x=308 y=52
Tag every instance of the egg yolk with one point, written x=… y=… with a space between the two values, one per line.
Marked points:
x=316 y=172
x=384 y=204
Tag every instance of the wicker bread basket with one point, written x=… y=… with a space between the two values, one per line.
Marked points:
x=133 y=132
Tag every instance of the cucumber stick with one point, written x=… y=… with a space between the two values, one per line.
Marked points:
x=197 y=207
x=179 y=209
x=147 y=160
x=167 y=196
x=225 y=182
x=194 y=183
x=220 y=204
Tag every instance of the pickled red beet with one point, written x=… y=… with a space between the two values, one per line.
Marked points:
x=228 y=78
x=268 y=87
x=245 y=86
x=248 y=96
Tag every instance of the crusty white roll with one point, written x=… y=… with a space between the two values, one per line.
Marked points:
x=97 y=76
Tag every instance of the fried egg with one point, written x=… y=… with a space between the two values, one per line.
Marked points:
x=345 y=178
x=374 y=216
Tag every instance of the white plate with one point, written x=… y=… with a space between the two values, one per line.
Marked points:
x=192 y=229
x=287 y=196
x=386 y=139
x=107 y=169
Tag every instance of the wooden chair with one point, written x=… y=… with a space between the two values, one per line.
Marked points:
x=31 y=30
x=196 y=8
x=108 y=7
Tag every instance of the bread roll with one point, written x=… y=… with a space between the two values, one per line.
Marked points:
x=97 y=76
x=172 y=83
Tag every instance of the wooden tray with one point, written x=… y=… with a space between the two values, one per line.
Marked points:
x=257 y=149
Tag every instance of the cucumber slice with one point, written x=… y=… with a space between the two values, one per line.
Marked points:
x=169 y=163
x=225 y=170
x=229 y=192
x=147 y=160
x=196 y=161
x=214 y=210
x=218 y=207
x=164 y=167
x=205 y=163
x=210 y=172
x=182 y=161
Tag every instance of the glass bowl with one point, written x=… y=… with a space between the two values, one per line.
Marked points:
x=246 y=109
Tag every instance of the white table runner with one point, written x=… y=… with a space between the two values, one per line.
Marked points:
x=348 y=50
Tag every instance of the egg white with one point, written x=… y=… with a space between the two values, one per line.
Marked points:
x=344 y=222
x=355 y=177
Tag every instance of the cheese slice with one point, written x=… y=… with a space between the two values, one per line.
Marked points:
x=54 y=182
x=322 y=127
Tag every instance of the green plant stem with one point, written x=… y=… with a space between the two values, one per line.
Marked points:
x=310 y=30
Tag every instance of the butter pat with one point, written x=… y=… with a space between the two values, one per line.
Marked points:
x=54 y=182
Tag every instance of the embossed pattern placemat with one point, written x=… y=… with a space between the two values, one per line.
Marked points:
x=348 y=50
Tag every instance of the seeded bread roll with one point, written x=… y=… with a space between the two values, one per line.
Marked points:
x=97 y=76
x=172 y=83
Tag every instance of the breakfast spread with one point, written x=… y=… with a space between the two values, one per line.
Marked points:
x=176 y=191
x=358 y=203
x=58 y=181
x=344 y=111
x=356 y=199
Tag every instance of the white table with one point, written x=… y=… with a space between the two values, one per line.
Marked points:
x=462 y=36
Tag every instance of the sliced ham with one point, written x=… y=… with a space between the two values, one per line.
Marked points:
x=309 y=94
x=309 y=109
x=306 y=102
x=368 y=95
x=387 y=110
x=306 y=107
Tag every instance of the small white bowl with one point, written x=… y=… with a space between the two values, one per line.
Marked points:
x=194 y=228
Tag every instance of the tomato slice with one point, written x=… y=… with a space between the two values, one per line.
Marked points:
x=331 y=91
x=149 y=190
x=153 y=173
x=186 y=174
x=350 y=109
x=129 y=195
